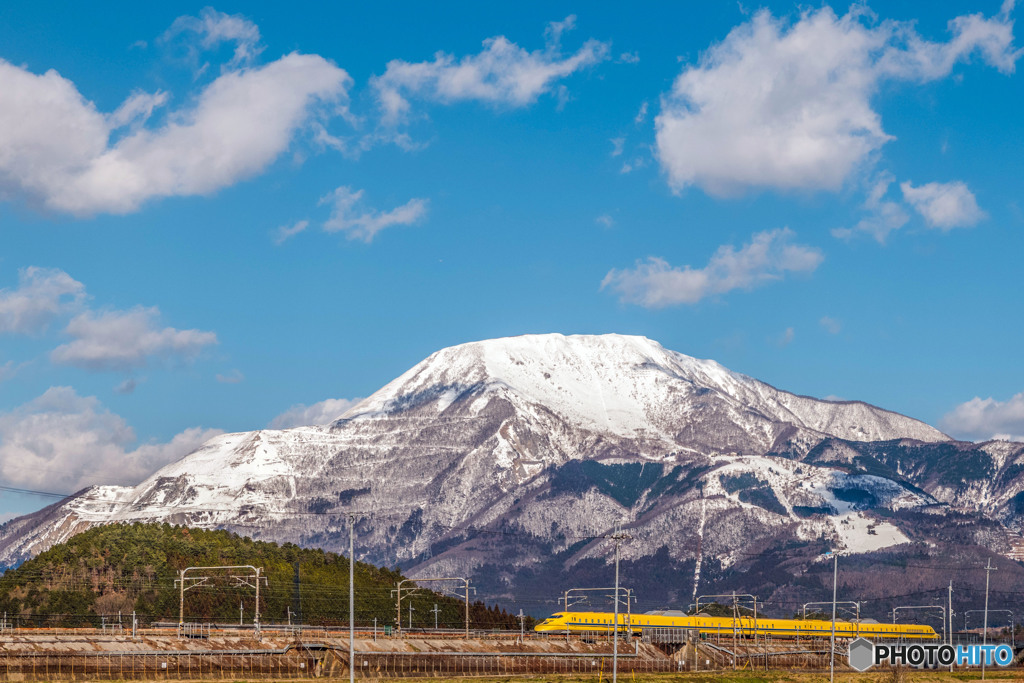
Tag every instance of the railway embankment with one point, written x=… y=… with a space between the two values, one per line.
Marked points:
x=160 y=654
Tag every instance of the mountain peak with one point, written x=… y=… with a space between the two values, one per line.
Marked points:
x=472 y=429
x=626 y=385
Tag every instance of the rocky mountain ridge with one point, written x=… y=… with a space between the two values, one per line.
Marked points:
x=512 y=458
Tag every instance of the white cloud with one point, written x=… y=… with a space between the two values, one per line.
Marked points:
x=58 y=152
x=831 y=325
x=104 y=340
x=554 y=30
x=617 y=144
x=884 y=216
x=126 y=387
x=981 y=419
x=345 y=217
x=233 y=377
x=787 y=337
x=788 y=106
x=944 y=205
x=606 y=220
x=63 y=441
x=214 y=28
x=766 y=258
x=321 y=413
x=286 y=232
x=629 y=58
x=501 y=74
x=641 y=115
x=121 y=340
x=137 y=108
x=632 y=165
x=41 y=296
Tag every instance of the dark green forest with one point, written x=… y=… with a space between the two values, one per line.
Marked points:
x=121 y=568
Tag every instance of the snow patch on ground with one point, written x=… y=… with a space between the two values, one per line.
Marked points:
x=860 y=534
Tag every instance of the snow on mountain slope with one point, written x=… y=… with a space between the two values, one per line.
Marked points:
x=491 y=435
x=625 y=386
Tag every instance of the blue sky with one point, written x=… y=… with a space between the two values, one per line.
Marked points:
x=229 y=217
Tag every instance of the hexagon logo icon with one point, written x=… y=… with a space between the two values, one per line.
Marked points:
x=862 y=654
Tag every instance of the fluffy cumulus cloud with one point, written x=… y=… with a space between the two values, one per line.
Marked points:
x=766 y=258
x=944 y=205
x=363 y=224
x=59 y=151
x=62 y=441
x=41 y=296
x=321 y=413
x=117 y=340
x=788 y=105
x=986 y=418
x=124 y=340
x=501 y=74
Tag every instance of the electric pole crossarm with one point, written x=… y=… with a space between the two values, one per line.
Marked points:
x=242 y=581
x=731 y=596
x=398 y=603
x=185 y=582
x=569 y=599
x=193 y=582
x=855 y=610
x=979 y=611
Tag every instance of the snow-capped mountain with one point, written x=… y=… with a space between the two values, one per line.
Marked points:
x=500 y=457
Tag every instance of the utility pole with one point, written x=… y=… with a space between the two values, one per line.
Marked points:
x=522 y=622
x=181 y=601
x=950 y=620
x=735 y=616
x=411 y=608
x=984 y=634
x=240 y=612
x=435 y=611
x=351 y=600
x=832 y=649
x=618 y=537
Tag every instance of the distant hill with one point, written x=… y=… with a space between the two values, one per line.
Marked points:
x=125 y=567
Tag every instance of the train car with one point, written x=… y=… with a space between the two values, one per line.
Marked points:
x=603 y=622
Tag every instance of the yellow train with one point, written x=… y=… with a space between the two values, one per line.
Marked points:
x=745 y=627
